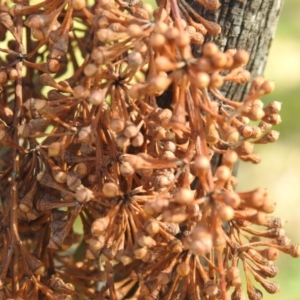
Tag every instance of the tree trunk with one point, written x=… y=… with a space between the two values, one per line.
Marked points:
x=248 y=25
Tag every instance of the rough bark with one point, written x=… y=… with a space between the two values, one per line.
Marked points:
x=248 y=25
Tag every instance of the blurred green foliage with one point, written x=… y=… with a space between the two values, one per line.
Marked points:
x=289 y=26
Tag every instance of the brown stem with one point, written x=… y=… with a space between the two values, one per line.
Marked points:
x=15 y=174
x=110 y=281
x=176 y=14
x=222 y=276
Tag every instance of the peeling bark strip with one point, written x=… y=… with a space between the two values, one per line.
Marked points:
x=248 y=25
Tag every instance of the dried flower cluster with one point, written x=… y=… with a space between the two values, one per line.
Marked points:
x=84 y=137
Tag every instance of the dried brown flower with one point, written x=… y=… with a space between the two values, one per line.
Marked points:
x=86 y=143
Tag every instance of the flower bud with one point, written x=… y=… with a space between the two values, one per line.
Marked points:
x=267 y=87
x=197 y=38
x=271 y=287
x=210 y=4
x=168 y=155
x=275 y=222
x=175 y=246
x=255 y=158
x=117 y=124
x=103 y=22
x=293 y=250
x=241 y=58
x=222 y=173
x=55 y=149
x=117 y=27
x=102 y=55
x=152 y=227
x=201 y=241
x=106 y=35
x=126 y=169
x=245 y=148
x=146 y=241
x=81 y=169
x=90 y=70
x=38 y=21
x=12 y=74
x=81 y=92
x=164 y=278
x=83 y=194
x=97 y=243
x=256 y=132
x=254 y=293
x=211 y=289
x=134 y=59
x=110 y=189
x=138 y=140
x=233 y=273
x=140 y=12
x=163 y=63
x=226 y=213
x=172 y=33
x=85 y=135
x=245 y=131
x=170 y=146
x=232 y=199
x=273 y=119
x=264 y=126
x=160 y=14
x=157 y=40
x=73 y=181
x=201 y=80
x=219 y=60
x=229 y=158
x=184 y=196
x=201 y=165
x=122 y=141
x=90 y=254
x=159 y=83
x=269 y=253
x=191 y=30
x=238 y=293
x=97 y=97
x=255 y=198
x=78 y=4
x=270 y=137
x=268 y=206
x=183 y=40
x=209 y=49
x=130 y=130
x=139 y=253
x=183 y=269
x=134 y=30
x=216 y=80
x=100 y=225
x=59 y=175
x=273 y=107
